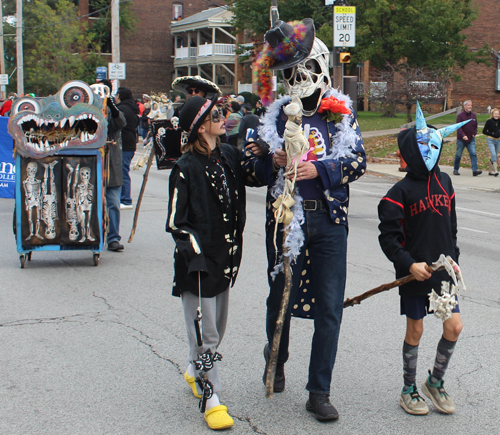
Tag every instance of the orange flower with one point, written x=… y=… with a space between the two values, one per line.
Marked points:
x=335 y=107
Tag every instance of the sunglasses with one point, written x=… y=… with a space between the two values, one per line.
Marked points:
x=217 y=116
x=193 y=91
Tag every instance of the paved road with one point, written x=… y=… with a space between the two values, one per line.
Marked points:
x=101 y=350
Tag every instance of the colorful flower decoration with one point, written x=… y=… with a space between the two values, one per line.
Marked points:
x=333 y=109
x=269 y=56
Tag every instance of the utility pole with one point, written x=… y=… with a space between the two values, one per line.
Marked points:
x=2 y=56
x=115 y=34
x=19 y=47
x=274 y=16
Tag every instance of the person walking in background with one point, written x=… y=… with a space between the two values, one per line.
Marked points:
x=466 y=138
x=233 y=123
x=116 y=122
x=128 y=106
x=249 y=122
x=144 y=121
x=259 y=109
x=6 y=106
x=492 y=131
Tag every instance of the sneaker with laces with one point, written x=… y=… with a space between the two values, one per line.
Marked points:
x=319 y=404
x=440 y=398
x=412 y=402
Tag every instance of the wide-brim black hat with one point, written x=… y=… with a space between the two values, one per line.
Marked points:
x=290 y=43
x=194 y=113
x=181 y=84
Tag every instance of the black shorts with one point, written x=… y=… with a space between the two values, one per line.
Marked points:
x=417 y=307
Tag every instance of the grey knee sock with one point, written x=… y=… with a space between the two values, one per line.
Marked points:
x=410 y=356
x=444 y=352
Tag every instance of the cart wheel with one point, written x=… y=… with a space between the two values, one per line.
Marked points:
x=28 y=256
x=22 y=259
x=96 y=259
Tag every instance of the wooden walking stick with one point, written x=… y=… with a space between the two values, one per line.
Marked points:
x=141 y=194
x=442 y=263
x=295 y=146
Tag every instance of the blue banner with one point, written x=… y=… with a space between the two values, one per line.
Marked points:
x=7 y=165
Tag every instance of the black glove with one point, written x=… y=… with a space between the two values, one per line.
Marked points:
x=115 y=112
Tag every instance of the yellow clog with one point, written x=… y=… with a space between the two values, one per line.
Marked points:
x=217 y=418
x=192 y=383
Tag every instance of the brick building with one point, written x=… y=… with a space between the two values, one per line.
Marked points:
x=479 y=81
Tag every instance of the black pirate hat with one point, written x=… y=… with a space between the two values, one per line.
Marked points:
x=181 y=84
x=194 y=113
x=290 y=43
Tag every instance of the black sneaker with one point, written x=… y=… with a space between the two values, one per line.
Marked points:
x=319 y=404
x=456 y=173
x=476 y=173
x=279 y=377
x=115 y=246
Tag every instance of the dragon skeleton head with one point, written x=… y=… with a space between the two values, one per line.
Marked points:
x=69 y=120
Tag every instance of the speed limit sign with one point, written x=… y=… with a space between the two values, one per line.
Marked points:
x=344 y=26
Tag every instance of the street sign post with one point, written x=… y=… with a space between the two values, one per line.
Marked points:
x=101 y=73
x=117 y=71
x=344 y=26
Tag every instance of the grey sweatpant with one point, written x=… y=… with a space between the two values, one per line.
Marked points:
x=214 y=319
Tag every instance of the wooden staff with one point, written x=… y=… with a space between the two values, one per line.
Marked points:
x=356 y=300
x=273 y=352
x=141 y=194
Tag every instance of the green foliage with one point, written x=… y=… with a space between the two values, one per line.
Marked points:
x=55 y=53
x=58 y=46
x=424 y=32
x=252 y=16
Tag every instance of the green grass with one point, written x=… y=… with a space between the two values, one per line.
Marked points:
x=372 y=121
x=385 y=147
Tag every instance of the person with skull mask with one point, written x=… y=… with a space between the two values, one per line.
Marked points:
x=418 y=222
x=335 y=158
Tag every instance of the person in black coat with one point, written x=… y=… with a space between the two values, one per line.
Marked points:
x=128 y=106
x=492 y=131
x=418 y=222
x=206 y=217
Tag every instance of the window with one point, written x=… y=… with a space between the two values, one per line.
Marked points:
x=176 y=11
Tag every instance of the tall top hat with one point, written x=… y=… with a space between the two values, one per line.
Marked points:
x=287 y=44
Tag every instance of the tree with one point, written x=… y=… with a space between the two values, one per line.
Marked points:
x=58 y=45
x=252 y=16
x=420 y=33
x=410 y=84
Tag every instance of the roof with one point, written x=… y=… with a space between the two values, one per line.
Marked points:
x=219 y=15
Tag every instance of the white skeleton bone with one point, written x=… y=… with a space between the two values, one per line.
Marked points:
x=33 y=198
x=49 y=200
x=443 y=305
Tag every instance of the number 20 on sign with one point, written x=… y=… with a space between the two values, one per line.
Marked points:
x=344 y=26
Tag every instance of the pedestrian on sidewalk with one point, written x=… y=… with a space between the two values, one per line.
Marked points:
x=492 y=131
x=206 y=217
x=418 y=222
x=128 y=106
x=466 y=138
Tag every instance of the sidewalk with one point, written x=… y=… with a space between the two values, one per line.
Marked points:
x=464 y=180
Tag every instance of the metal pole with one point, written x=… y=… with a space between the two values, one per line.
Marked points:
x=115 y=33
x=19 y=47
x=2 y=56
x=274 y=16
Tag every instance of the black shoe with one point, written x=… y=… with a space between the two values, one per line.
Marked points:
x=115 y=246
x=279 y=377
x=476 y=173
x=320 y=405
x=456 y=173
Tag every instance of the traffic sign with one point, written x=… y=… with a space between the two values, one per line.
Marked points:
x=344 y=26
x=101 y=73
x=4 y=79
x=117 y=71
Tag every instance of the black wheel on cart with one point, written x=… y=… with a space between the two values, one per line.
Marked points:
x=22 y=259
x=96 y=259
x=28 y=256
